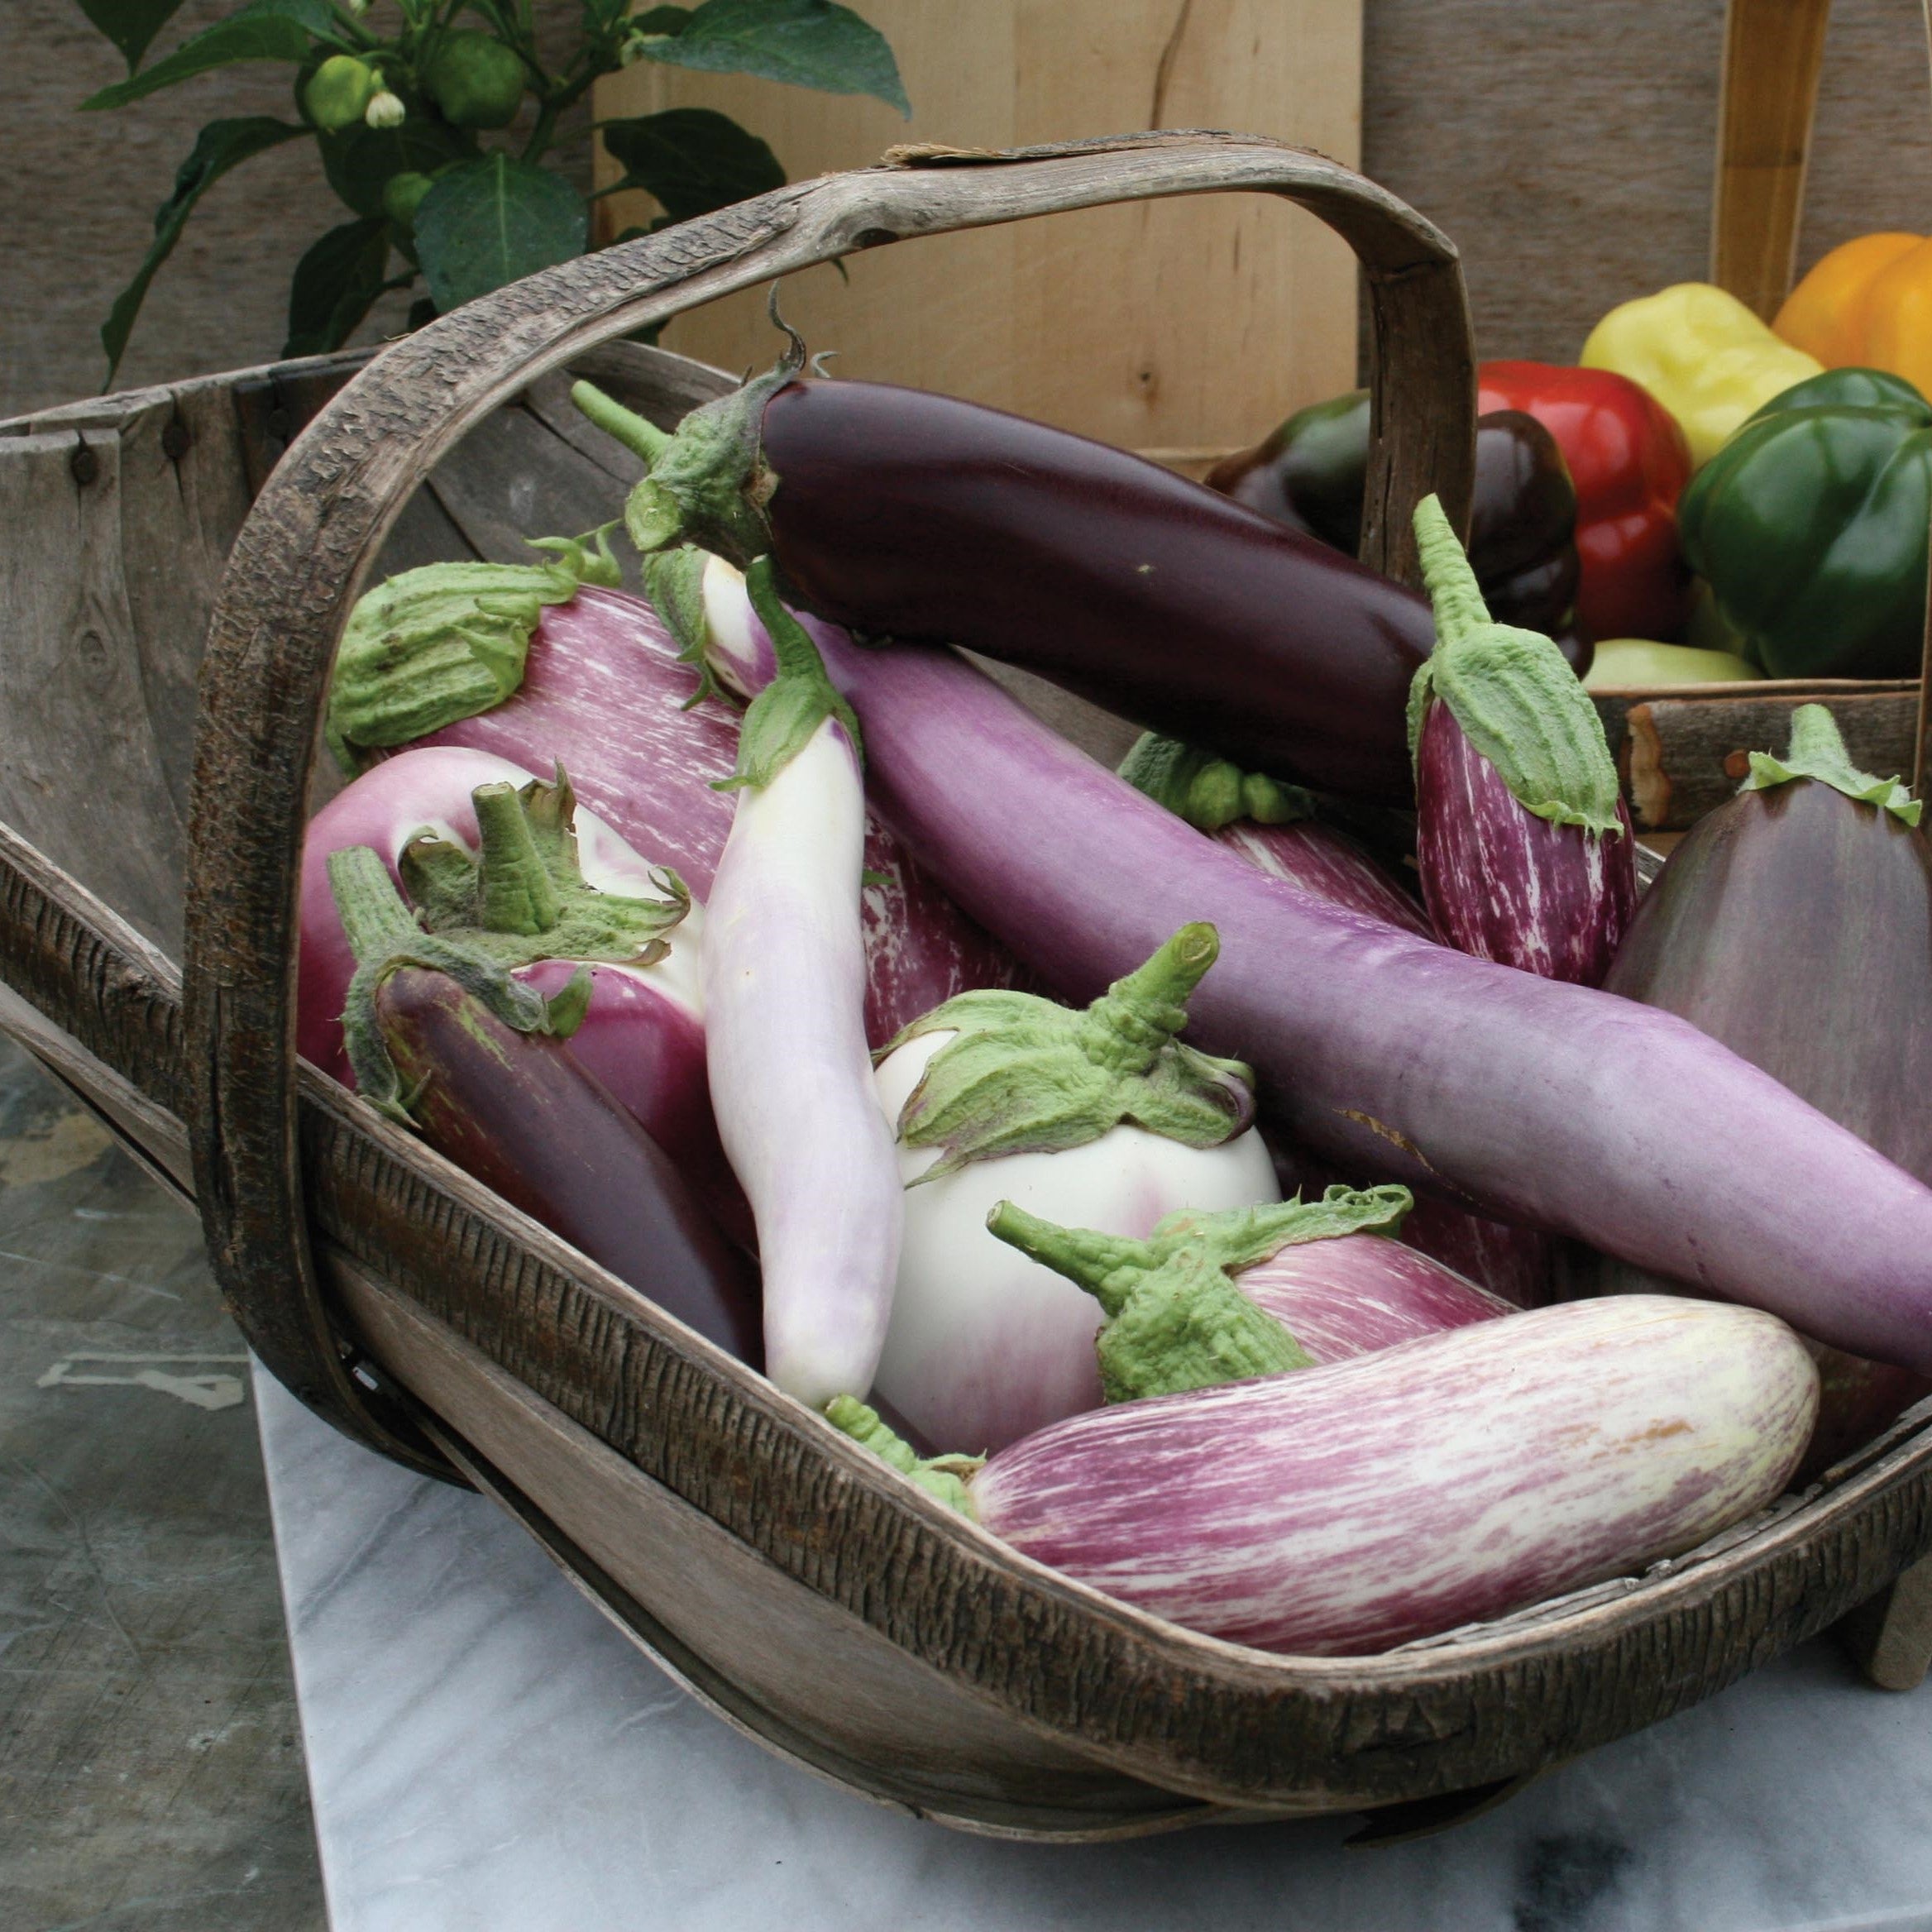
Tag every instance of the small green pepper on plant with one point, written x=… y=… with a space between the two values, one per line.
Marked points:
x=395 y=105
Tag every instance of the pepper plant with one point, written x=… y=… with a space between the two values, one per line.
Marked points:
x=399 y=100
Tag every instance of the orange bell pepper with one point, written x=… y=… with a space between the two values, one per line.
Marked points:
x=1867 y=305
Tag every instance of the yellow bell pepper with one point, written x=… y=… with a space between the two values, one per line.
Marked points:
x=1867 y=305
x=1702 y=354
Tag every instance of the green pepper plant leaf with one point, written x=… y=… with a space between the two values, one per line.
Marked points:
x=809 y=43
x=496 y=221
x=219 y=145
x=692 y=159
x=336 y=284
x=130 y=25
x=265 y=30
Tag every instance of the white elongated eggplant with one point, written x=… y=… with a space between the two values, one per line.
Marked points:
x=790 y=1077
x=1343 y=1510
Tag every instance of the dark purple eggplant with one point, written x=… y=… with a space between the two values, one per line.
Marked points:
x=1523 y=839
x=1794 y=923
x=516 y=1112
x=897 y=513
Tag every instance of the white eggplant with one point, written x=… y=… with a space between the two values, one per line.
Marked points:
x=791 y=1078
x=1099 y=1118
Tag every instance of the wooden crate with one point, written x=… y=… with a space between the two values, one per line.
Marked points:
x=803 y=1589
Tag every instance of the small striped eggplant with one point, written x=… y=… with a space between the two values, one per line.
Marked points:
x=595 y=684
x=1341 y=1511
x=1793 y=923
x=784 y=964
x=1212 y=1297
x=1103 y=1117
x=514 y=1111
x=1522 y=835
x=1270 y=824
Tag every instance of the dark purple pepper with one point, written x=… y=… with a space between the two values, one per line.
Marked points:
x=516 y=1112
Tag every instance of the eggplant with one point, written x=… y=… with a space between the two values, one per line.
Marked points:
x=897 y=513
x=1343 y=1510
x=1524 y=1099
x=790 y=1079
x=600 y=689
x=641 y=1031
x=1793 y=923
x=1523 y=839
x=1101 y=1117
x=515 y=1112
x=1270 y=824
x=1207 y=1297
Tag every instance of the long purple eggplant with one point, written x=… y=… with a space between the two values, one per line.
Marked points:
x=1793 y=923
x=514 y=1110
x=1271 y=826
x=1343 y=1510
x=600 y=689
x=903 y=514
x=1525 y=1098
x=1523 y=839
x=791 y=1078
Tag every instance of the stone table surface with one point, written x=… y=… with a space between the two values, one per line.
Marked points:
x=486 y=1753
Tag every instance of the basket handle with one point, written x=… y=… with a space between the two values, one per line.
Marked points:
x=301 y=557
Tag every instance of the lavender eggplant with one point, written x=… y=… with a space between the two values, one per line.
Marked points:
x=785 y=1036
x=917 y=516
x=512 y=1110
x=595 y=684
x=1103 y=1117
x=1210 y=1297
x=1524 y=1099
x=1522 y=835
x=1342 y=1510
x=1270 y=824
x=1794 y=923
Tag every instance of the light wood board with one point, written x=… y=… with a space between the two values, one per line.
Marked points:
x=1197 y=324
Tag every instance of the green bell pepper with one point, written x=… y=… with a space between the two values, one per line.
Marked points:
x=1810 y=525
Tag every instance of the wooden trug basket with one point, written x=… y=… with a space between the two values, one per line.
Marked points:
x=807 y=1593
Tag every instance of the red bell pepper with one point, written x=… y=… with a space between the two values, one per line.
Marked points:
x=1629 y=461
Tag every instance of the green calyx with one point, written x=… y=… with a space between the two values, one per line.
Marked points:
x=944 y=1476
x=445 y=642
x=522 y=898
x=782 y=720
x=385 y=936
x=674 y=582
x=1517 y=700
x=1024 y=1075
x=1177 y=1319
x=1208 y=791
x=709 y=482
x=1817 y=751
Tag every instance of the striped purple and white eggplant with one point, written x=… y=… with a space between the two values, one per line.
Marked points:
x=1793 y=923
x=1525 y=1098
x=595 y=684
x=1343 y=1510
x=454 y=830
x=1101 y=1117
x=1270 y=824
x=791 y=1076
x=1523 y=839
x=1209 y=1298
x=513 y=1109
